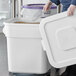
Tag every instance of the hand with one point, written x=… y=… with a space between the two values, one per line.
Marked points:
x=47 y=6
x=71 y=10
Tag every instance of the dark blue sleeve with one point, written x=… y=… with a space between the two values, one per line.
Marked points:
x=57 y=2
x=73 y=2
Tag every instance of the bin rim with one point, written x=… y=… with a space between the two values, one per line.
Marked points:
x=13 y=20
x=37 y=6
x=20 y=30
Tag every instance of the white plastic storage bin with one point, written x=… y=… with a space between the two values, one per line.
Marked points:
x=25 y=52
x=34 y=12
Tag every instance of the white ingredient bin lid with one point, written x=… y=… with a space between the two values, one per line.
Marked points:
x=59 y=39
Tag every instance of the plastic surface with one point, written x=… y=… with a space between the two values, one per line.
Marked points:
x=59 y=37
x=24 y=48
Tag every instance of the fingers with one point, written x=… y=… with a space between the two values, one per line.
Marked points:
x=46 y=7
x=71 y=10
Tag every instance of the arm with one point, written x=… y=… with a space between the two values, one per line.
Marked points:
x=47 y=6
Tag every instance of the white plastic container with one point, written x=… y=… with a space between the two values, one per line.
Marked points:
x=59 y=39
x=25 y=52
x=34 y=12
